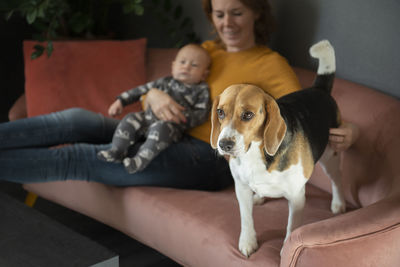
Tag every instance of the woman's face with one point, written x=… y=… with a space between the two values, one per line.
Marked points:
x=234 y=23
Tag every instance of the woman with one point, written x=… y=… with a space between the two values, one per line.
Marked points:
x=238 y=56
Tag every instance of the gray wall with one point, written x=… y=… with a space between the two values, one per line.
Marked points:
x=193 y=8
x=365 y=34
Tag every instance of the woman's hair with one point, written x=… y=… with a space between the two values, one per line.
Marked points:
x=263 y=25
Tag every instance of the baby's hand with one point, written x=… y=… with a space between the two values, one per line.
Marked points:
x=115 y=108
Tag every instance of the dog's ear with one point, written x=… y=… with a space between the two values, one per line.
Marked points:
x=275 y=127
x=215 y=125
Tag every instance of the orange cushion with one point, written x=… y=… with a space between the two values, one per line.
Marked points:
x=87 y=74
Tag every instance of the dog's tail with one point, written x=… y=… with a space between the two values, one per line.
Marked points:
x=324 y=51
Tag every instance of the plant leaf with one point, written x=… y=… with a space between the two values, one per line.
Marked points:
x=167 y=5
x=39 y=49
x=185 y=22
x=178 y=12
x=41 y=11
x=179 y=43
x=79 y=22
x=9 y=14
x=139 y=10
x=31 y=16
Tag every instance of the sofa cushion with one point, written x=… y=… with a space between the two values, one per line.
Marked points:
x=159 y=62
x=194 y=228
x=87 y=74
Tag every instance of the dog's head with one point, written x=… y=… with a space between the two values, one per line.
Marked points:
x=244 y=113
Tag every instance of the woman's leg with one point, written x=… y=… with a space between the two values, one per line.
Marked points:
x=190 y=164
x=68 y=126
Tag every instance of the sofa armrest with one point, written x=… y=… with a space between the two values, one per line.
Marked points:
x=368 y=236
x=18 y=109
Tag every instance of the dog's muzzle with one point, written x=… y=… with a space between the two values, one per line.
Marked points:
x=226 y=145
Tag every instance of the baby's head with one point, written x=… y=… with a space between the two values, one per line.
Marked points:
x=191 y=64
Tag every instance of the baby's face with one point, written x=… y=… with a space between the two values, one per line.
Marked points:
x=190 y=65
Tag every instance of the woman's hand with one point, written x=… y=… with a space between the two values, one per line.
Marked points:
x=340 y=139
x=115 y=108
x=164 y=106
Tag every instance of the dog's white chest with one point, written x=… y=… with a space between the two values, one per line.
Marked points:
x=250 y=169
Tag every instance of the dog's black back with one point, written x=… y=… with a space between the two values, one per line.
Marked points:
x=313 y=111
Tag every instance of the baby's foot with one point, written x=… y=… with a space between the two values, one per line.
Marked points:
x=133 y=165
x=110 y=155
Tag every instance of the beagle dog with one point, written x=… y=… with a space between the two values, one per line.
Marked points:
x=273 y=145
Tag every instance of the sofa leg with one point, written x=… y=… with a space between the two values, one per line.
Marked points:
x=30 y=199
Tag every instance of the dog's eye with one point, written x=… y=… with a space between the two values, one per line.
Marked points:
x=247 y=115
x=221 y=114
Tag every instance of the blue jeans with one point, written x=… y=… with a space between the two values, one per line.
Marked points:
x=25 y=156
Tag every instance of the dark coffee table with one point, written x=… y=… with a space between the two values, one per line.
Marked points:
x=29 y=238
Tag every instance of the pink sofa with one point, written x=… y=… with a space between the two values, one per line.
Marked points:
x=198 y=228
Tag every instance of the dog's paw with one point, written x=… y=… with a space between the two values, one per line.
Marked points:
x=338 y=206
x=257 y=200
x=284 y=241
x=248 y=244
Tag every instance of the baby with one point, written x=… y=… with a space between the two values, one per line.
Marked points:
x=186 y=86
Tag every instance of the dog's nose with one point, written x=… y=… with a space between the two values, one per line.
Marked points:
x=226 y=145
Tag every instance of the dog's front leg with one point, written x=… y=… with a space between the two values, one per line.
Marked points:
x=248 y=239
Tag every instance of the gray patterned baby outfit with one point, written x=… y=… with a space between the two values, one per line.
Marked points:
x=159 y=134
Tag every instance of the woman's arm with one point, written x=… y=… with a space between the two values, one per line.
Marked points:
x=164 y=106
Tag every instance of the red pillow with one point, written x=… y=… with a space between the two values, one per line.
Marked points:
x=87 y=74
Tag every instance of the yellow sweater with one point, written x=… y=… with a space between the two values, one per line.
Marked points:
x=258 y=65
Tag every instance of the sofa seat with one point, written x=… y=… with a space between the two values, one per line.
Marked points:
x=183 y=224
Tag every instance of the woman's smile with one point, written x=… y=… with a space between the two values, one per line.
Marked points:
x=234 y=23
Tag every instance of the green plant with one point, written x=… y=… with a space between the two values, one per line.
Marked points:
x=178 y=26
x=88 y=19
x=55 y=19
